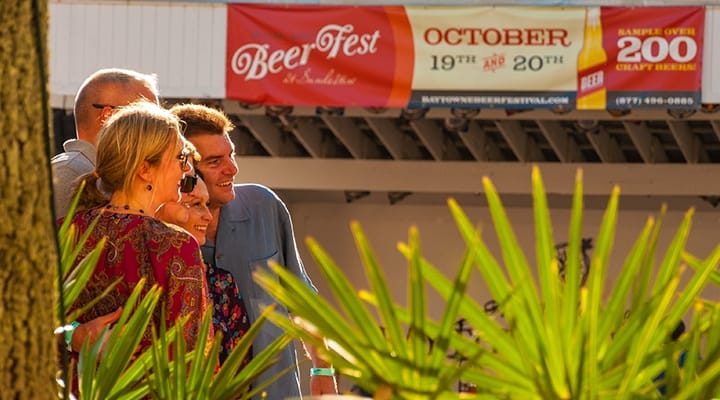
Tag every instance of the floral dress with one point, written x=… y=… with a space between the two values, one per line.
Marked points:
x=230 y=316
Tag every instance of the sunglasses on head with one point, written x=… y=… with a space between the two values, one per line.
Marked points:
x=188 y=182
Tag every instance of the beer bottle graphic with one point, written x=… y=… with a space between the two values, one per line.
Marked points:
x=592 y=59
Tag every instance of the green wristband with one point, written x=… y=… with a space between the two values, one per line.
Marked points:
x=322 y=371
x=69 y=330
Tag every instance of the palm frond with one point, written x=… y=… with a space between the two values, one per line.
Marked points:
x=556 y=337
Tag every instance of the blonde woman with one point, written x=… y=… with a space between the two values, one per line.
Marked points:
x=141 y=160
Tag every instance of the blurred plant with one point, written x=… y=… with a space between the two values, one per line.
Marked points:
x=166 y=370
x=557 y=339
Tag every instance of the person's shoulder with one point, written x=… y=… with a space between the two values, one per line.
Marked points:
x=75 y=150
x=70 y=158
x=167 y=229
x=80 y=217
x=72 y=163
x=163 y=233
x=254 y=190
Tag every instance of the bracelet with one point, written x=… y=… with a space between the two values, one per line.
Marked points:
x=322 y=371
x=69 y=330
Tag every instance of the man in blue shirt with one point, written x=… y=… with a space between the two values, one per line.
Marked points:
x=250 y=226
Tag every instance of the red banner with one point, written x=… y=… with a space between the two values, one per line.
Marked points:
x=655 y=56
x=505 y=57
x=308 y=55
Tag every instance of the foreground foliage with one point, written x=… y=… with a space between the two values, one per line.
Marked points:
x=557 y=339
x=166 y=370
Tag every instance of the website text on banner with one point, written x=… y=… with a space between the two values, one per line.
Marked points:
x=474 y=57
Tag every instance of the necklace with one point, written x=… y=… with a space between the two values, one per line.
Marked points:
x=125 y=207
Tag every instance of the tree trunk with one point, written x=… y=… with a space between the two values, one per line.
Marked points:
x=28 y=249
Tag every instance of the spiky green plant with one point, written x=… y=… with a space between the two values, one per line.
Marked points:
x=557 y=339
x=167 y=370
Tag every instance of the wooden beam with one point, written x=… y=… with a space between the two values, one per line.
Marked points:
x=466 y=176
x=648 y=145
x=430 y=136
x=271 y=138
x=565 y=147
x=605 y=146
x=309 y=135
x=524 y=147
x=716 y=127
x=232 y=107
x=479 y=143
x=351 y=136
x=433 y=138
x=688 y=143
x=394 y=140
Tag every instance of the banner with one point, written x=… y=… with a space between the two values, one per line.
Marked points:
x=475 y=57
x=506 y=57
x=655 y=56
x=330 y=56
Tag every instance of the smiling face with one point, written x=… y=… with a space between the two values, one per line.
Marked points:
x=217 y=166
x=199 y=215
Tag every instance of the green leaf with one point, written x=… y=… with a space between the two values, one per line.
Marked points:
x=573 y=335
x=416 y=291
x=377 y=281
x=547 y=270
x=352 y=306
x=614 y=313
x=523 y=308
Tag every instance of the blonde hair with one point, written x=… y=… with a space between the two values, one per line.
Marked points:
x=137 y=133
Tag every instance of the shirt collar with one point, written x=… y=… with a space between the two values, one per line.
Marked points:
x=81 y=146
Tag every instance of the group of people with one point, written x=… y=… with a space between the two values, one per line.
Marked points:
x=159 y=192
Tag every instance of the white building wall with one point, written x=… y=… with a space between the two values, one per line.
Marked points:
x=385 y=225
x=182 y=43
x=711 y=59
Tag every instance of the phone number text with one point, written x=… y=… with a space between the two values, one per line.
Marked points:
x=655 y=100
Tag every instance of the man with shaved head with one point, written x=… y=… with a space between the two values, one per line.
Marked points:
x=98 y=97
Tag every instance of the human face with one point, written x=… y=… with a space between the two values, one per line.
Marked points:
x=217 y=166
x=199 y=216
x=169 y=173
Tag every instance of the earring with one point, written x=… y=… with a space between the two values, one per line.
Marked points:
x=149 y=187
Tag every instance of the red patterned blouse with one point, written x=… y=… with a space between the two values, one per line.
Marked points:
x=137 y=247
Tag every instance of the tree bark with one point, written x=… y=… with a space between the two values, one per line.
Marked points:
x=28 y=249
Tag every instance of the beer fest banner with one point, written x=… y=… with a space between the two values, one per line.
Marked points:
x=465 y=57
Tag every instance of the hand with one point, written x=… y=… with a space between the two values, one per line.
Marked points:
x=320 y=385
x=93 y=329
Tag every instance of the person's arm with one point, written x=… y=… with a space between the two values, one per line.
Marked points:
x=322 y=375
x=93 y=330
x=322 y=380
x=90 y=331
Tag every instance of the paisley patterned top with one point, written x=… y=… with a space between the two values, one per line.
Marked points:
x=138 y=247
x=230 y=316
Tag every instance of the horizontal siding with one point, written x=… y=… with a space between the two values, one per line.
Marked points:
x=183 y=44
x=711 y=58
